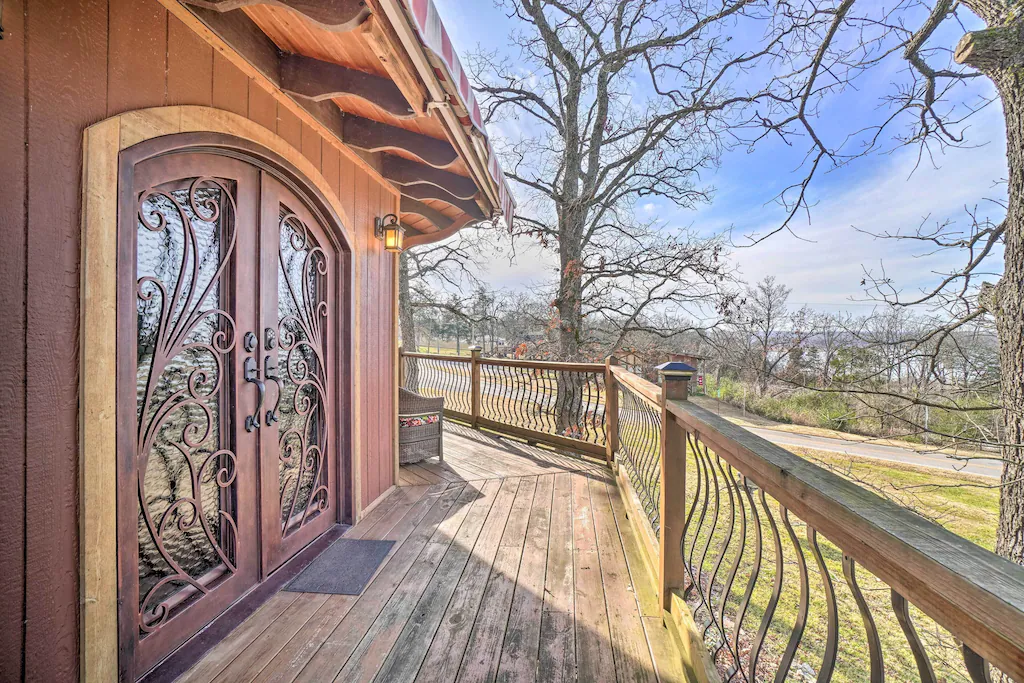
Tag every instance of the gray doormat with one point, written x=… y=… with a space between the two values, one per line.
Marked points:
x=343 y=569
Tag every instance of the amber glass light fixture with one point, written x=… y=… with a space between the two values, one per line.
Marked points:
x=390 y=232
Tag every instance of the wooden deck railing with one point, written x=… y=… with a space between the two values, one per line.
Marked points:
x=772 y=567
x=561 y=404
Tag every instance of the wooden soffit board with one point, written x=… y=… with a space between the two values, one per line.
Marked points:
x=344 y=68
x=328 y=15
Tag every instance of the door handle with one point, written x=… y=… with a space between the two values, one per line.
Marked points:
x=270 y=373
x=252 y=374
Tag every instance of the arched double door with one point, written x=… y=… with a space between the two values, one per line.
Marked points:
x=229 y=316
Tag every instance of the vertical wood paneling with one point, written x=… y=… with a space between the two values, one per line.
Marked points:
x=360 y=212
x=67 y=61
x=230 y=86
x=137 y=76
x=311 y=141
x=382 y=362
x=289 y=126
x=331 y=168
x=189 y=66
x=262 y=106
x=12 y=321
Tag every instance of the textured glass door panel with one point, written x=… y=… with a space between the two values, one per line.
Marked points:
x=302 y=365
x=298 y=445
x=185 y=240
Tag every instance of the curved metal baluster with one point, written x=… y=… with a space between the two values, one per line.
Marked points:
x=828 y=661
x=465 y=380
x=726 y=542
x=705 y=499
x=755 y=571
x=801 y=616
x=874 y=644
x=773 y=601
x=687 y=529
x=543 y=403
x=518 y=403
x=654 y=465
x=901 y=608
x=731 y=578
x=977 y=667
x=713 y=485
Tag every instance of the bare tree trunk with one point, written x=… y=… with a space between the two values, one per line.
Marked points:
x=569 y=387
x=407 y=322
x=999 y=53
x=1008 y=305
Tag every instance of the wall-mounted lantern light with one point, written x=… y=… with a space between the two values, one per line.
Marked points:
x=390 y=232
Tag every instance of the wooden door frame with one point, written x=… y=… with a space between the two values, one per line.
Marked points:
x=201 y=127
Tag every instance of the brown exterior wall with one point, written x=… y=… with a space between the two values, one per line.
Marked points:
x=64 y=65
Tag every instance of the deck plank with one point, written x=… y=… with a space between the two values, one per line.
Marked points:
x=521 y=646
x=480 y=662
x=667 y=663
x=593 y=654
x=375 y=645
x=217 y=659
x=410 y=648
x=557 y=636
x=263 y=649
x=335 y=650
x=444 y=656
x=630 y=648
x=287 y=664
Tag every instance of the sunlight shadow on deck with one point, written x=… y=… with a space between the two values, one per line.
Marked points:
x=516 y=578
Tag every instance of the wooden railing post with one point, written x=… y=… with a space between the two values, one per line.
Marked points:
x=474 y=353
x=611 y=411
x=401 y=368
x=675 y=379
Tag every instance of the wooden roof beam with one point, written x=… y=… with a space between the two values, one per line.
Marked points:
x=338 y=16
x=387 y=46
x=440 y=221
x=467 y=206
x=402 y=171
x=372 y=136
x=431 y=237
x=318 y=80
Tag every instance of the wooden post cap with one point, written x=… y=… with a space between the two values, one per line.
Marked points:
x=675 y=379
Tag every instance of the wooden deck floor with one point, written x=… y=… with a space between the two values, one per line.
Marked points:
x=507 y=566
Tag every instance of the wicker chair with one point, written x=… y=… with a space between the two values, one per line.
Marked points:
x=418 y=442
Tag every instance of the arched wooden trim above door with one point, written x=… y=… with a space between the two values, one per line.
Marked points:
x=102 y=145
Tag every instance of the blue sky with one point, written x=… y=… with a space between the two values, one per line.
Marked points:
x=825 y=261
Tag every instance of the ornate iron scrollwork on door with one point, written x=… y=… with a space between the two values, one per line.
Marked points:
x=302 y=330
x=187 y=528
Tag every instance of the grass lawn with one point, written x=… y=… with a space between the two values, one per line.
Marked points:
x=965 y=504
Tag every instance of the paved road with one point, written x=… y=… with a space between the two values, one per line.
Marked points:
x=872 y=450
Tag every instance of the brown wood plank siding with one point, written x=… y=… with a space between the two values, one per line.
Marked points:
x=189 y=66
x=12 y=320
x=136 y=29
x=68 y=66
x=67 y=72
x=230 y=86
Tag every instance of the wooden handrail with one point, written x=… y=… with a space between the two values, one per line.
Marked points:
x=647 y=390
x=975 y=594
x=544 y=364
x=516 y=363
x=437 y=356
